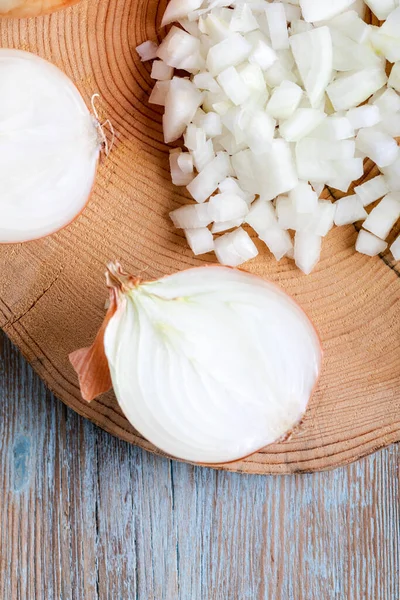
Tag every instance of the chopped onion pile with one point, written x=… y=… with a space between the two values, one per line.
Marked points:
x=281 y=100
x=49 y=147
x=210 y=364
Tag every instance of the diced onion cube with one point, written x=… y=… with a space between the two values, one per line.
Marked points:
x=383 y=217
x=259 y=132
x=340 y=182
x=179 y=9
x=310 y=169
x=312 y=52
x=242 y=19
x=350 y=168
x=349 y=210
x=394 y=79
x=211 y=176
x=323 y=220
x=381 y=8
x=307 y=250
x=391 y=26
x=304 y=199
x=388 y=102
x=392 y=176
x=191 y=216
x=178 y=175
x=182 y=101
x=243 y=164
x=235 y=248
x=161 y=71
x=369 y=244
x=147 y=51
x=253 y=78
x=278 y=241
x=263 y=55
x=378 y=146
x=227 y=207
x=225 y=225
x=205 y=81
x=211 y=124
x=177 y=46
x=352 y=26
x=203 y=155
x=395 y=249
x=385 y=45
x=300 y=27
x=228 y=53
x=284 y=100
x=233 y=85
x=159 y=93
x=261 y=216
x=322 y=10
x=275 y=170
x=185 y=163
x=278 y=32
x=351 y=90
x=372 y=190
x=301 y=123
x=334 y=128
x=200 y=240
x=288 y=217
x=364 y=116
x=232 y=186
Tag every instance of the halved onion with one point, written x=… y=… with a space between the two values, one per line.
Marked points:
x=32 y=8
x=210 y=364
x=49 y=148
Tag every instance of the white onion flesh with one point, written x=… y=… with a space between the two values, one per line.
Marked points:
x=200 y=240
x=221 y=383
x=364 y=116
x=277 y=241
x=312 y=52
x=280 y=96
x=349 y=210
x=383 y=217
x=232 y=249
x=395 y=249
x=284 y=100
x=394 y=78
x=161 y=71
x=307 y=250
x=351 y=90
x=321 y=10
x=304 y=198
x=49 y=145
x=381 y=8
x=369 y=244
x=372 y=190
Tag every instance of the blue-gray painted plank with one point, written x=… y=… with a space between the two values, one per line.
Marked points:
x=84 y=516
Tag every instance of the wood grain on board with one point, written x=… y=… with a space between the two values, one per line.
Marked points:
x=85 y=516
x=52 y=291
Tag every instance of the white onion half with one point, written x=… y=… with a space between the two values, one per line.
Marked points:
x=49 y=148
x=210 y=364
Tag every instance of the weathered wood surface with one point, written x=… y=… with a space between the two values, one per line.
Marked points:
x=52 y=291
x=85 y=516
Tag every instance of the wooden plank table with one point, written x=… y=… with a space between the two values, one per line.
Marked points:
x=84 y=516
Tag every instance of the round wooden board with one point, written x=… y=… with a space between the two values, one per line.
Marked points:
x=52 y=292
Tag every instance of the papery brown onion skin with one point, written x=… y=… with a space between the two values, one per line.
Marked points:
x=32 y=8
